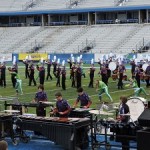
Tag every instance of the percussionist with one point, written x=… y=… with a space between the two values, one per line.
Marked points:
x=85 y=100
x=62 y=107
x=40 y=96
x=123 y=109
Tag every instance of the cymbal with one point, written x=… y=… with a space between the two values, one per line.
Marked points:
x=97 y=112
x=12 y=111
x=125 y=114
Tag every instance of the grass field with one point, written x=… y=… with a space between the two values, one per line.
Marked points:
x=70 y=94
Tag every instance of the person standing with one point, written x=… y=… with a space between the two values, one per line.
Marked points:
x=78 y=76
x=120 y=74
x=92 y=70
x=133 y=66
x=123 y=109
x=147 y=72
x=41 y=70
x=31 y=74
x=137 y=74
x=104 y=74
x=3 y=75
x=40 y=97
x=58 y=73
x=26 y=63
x=54 y=68
x=13 y=75
x=63 y=79
x=124 y=119
x=73 y=75
x=62 y=108
x=48 y=70
x=83 y=98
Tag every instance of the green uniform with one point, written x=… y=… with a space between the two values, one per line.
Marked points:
x=103 y=89
x=137 y=90
x=18 y=85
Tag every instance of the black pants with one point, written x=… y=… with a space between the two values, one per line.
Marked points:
x=63 y=83
x=48 y=75
x=32 y=79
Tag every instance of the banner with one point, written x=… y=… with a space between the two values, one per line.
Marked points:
x=33 y=56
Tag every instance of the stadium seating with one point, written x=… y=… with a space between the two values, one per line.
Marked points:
x=28 y=5
x=137 y=2
x=120 y=38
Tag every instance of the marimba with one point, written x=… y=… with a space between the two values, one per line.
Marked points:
x=68 y=132
x=22 y=106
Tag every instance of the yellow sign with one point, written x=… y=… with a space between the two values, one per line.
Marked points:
x=33 y=56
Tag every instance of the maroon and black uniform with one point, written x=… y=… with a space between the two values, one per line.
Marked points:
x=92 y=70
x=63 y=80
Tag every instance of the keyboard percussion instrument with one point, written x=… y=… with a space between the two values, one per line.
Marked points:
x=68 y=132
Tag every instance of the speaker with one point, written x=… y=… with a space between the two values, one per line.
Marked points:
x=143 y=142
x=144 y=118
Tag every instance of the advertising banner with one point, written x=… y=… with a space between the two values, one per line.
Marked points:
x=33 y=56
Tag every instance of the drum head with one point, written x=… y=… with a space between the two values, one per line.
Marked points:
x=136 y=107
x=144 y=66
x=112 y=66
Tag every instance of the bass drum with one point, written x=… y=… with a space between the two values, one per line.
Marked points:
x=136 y=107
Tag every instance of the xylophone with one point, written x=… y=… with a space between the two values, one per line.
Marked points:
x=68 y=132
x=22 y=106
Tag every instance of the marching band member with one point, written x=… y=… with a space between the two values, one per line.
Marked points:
x=85 y=100
x=58 y=73
x=100 y=63
x=62 y=107
x=120 y=73
x=137 y=74
x=26 y=63
x=147 y=72
x=40 y=96
x=92 y=70
x=3 y=74
x=115 y=72
x=103 y=73
x=54 y=63
x=31 y=70
x=0 y=75
x=133 y=65
x=137 y=90
x=41 y=70
x=70 y=61
x=101 y=87
x=78 y=76
x=108 y=70
x=49 y=63
x=63 y=73
x=73 y=75
x=13 y=79
x=18 y=83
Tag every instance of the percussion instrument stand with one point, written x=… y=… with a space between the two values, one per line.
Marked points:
x=96 y=123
